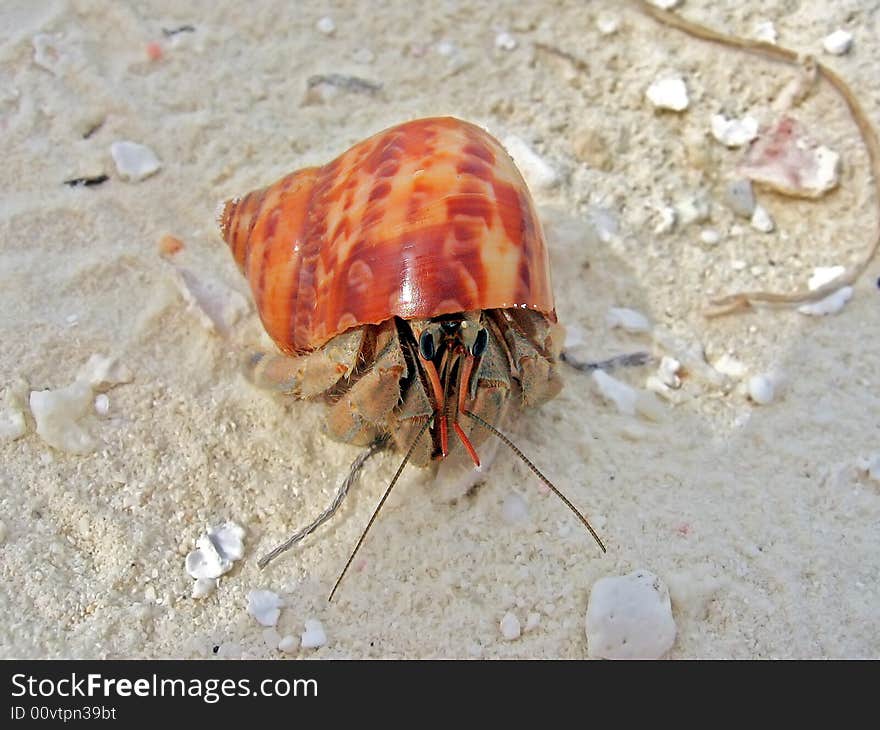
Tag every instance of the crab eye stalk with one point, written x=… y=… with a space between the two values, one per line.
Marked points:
x=480 y=343
x=426 y=346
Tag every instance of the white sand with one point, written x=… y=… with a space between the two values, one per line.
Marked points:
x=757 y=517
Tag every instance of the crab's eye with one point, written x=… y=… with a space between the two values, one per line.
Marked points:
x=479 y=346
x=426 y=346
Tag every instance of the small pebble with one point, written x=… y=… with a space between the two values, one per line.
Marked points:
x=761 y=220
x=666 y=4
x=265 y=606
x=730 y=366
x=786 y=159
x=12 y=424
x=288 y=644
x=669 y=93
x=766 y=31
x=532 y=620
x=761 y=389
x=607 y=24
x=740 y=198
x=203 y=587
x=102 y=404
x=710 y=236
x=505 y=41
x=738 y=265
x=326 y=25
x=831 y=304
x=58 y=414
x=535 y=170
x=838 y=43
x=734 y=132
x=627 y=319
x=667 y=218
x=3 y=532
x=510 y=628
x=102 y=372
x=134 y=162
x=871 y=468
x=694 y=209
x=668 y=371
x=629 y=617
x=824 y=275
x=314 y=636
x=216 y=551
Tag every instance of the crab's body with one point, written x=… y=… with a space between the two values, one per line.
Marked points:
x=377 y=274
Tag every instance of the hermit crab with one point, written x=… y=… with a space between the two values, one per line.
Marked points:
x=407 y=284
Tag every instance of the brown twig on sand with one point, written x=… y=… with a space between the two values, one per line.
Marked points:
x=745 y=300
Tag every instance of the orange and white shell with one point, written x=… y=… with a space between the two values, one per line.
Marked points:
x=426 y=218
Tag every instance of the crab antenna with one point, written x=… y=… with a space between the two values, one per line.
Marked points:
x=379 y=506
x=536 y=471
x=341 y=494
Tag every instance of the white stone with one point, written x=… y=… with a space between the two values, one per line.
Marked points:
x=535 y=170
x=607 y=24
x=216 y=551
x=738 y=265
x=787 y=159
x=710 y=237
x=134 y=162
x=730 y=366
x=12 y=424
x=740 y=198
x=761 y=220
x=668 y=93
x=668 y=372
x=57 y=414
x=667 y=218
x=870 y=466
x=666 y=4
x=629 y=617
x=102 y=404
x=510 y=628
x=102 y=372
x=762 y=389
x=289 y=644
x=734 y=132
x=505 y=41
x=694 y=209
x=838 y=42
x=766 y=31
x=532 y=621
x=326 y=25
x=203 y=587
x=627 y=319
x=314 y=635
x=824 y=275
x=265 y=606
x=831 y=304
x=514 y=509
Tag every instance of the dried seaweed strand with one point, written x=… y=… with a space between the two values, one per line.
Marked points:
x=744 y=300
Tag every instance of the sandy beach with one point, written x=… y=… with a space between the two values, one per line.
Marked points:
x=761 y=519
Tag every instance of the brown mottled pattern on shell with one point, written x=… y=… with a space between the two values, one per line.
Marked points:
x=430 y=217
